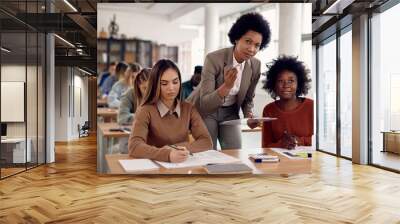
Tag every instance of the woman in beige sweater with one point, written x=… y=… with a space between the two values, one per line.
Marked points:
x=164 y=122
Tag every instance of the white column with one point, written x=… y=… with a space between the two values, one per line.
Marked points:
x=211 y=34
x=290 y=28
x=360 y=90
x=50 y=100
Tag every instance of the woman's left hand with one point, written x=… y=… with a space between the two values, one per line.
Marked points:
x=253 y=123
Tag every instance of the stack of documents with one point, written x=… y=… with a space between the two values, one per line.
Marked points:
x=263 y=158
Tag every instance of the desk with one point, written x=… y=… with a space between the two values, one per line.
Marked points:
x=13 y=150
x=102 y=102
x=107 y=114
x=285 y=166
x=105 y=139
x=391 y=141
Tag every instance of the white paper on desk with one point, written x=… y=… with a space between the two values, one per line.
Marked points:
x=298 y=149
x=244 y=120
x=137 y=165
x=201 y=159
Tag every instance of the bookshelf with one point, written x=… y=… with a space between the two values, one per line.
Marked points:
x=144 y=52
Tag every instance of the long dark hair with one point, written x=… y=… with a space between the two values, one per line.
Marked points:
x=120 y=69
x=153 y=92
x=142 y=76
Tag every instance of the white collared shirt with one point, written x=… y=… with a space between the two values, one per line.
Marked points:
x=231 y=98
x=164 y=110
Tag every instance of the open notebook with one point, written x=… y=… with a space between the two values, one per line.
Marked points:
x=138 y=165
x=201 y=159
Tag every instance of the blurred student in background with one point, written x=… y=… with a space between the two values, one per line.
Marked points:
x=126 y=75
x=113 y=78
x=133 y=97
x=163 y=123
x=189 y=86
x=106 y=74
x=288 y=80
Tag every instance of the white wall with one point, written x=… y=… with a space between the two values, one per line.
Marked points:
x=71 y=94
x=33 y=126
x=15 y=73
x=134 y=24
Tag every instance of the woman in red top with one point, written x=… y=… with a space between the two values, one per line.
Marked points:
x=287 y=79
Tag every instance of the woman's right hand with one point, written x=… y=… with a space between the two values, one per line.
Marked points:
x=230 y=76
x=178 y=156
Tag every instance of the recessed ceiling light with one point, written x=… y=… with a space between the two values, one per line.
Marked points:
x=86 y=72
x=64 y=40
x=5 y=50
x=70 y=5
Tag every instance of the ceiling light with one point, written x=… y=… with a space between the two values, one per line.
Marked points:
x=5 y=50
x=86 y=72
x=65 y=41
x=70 y=5
x=337 y=7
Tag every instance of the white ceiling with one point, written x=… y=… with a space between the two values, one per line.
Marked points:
x=167 y=23
x=181 y=13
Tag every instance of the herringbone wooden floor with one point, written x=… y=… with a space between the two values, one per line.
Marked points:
x=70 y=191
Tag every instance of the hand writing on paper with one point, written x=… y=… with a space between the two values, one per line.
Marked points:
x=178 y=154
x=289 y=141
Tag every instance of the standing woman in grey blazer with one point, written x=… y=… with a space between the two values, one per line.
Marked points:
x=229 y=79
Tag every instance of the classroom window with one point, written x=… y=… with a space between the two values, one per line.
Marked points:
x=327 y=96
x=346 y=93
x=385 y=87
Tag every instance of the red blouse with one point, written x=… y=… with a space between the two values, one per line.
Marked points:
x=299 y=122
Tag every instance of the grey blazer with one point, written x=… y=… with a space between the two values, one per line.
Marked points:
x=206 y=98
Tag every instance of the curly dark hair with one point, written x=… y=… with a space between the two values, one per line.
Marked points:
x=287 y=63
x=250 y=21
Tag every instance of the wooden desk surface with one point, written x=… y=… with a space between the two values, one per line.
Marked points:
x=283 y=167
x=102 y=102
x=105 y=129
x=104 y=112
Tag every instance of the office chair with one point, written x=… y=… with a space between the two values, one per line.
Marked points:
x=84 y=130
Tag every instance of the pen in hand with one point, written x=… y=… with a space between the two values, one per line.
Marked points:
x=176 y=147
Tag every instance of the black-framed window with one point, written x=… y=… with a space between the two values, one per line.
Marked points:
x=22 y=76
x=334 y=93
x=326 y=95
x=384 y=110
